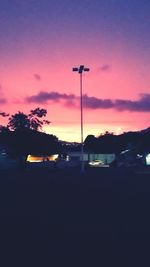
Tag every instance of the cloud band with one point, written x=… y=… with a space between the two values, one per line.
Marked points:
x=140 y=105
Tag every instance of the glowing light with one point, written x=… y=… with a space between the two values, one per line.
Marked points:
x=148 y=159
x=32 y=158
x=96 y=163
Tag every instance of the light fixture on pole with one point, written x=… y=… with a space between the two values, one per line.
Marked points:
x=80 y=70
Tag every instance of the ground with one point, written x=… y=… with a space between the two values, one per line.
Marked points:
x=65 y=218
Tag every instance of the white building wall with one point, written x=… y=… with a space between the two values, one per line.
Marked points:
x=105 y=158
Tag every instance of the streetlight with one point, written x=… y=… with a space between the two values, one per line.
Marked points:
x=80 y=70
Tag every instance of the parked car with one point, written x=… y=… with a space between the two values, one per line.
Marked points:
x=97 y=163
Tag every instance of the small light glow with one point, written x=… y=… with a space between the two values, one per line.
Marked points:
x=148 y=159
x=96 y=163
x=67 y=158
x=125 y=151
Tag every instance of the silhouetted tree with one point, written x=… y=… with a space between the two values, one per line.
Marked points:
x=22 y=135
x=90 y=143
x=33 y=121
x=19 y=121
x=139 y=142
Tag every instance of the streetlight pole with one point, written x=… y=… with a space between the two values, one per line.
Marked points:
x=80 y=70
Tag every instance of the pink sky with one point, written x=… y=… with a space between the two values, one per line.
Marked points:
x=38 y=56
x=122 y=80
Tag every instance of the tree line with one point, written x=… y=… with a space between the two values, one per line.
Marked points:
x=23 y=135
x=138 y=141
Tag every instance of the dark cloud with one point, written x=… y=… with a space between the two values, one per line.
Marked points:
x=105 y=67
x=95 y=103
x=37 y=77
x=141 y=105
x=44 y=97
x=3 y=114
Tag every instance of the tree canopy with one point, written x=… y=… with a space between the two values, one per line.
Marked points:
x=111 y=143
x=33 y=120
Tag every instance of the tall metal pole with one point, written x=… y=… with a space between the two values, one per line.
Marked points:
x=81 y=106
x=80 y=71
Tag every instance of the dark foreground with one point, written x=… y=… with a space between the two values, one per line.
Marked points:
x=63 y=218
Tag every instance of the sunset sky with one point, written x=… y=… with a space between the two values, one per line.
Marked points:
x=40 y=42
